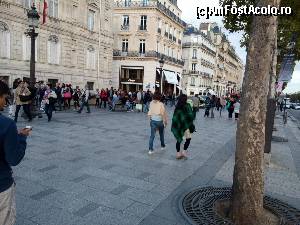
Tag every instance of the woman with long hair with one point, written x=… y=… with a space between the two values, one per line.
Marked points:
x=182 y=125
x=158 y=121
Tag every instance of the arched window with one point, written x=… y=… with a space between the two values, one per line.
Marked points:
x=4 y=41
x=53 y=50
x=91 y=58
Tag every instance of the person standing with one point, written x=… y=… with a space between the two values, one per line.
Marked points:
x=97 y=104
x=76 y=96
x=182 y=125
x=85 y=100
x=158 y=121
x=212 y=106
x=50 y=98
x=146 y=101
x=230 y=107
x=59 y=96
x=22 y=98
x=196 y=104
x=237 y=106
x=222 y=104
x=207 y=106
x=12 y=150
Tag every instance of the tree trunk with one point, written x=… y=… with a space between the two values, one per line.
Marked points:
x=271 y=104
x=248 y=180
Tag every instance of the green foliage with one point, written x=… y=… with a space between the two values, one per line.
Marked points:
x=286 y=24
x=294 y=97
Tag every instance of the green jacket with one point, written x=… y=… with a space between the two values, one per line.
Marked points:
x=181 y=121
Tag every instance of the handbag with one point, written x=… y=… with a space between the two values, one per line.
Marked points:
x=67 y=95
x=25 y=98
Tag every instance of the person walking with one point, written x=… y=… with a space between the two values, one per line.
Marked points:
x=230 y=107
x=76 y=97
x=12 y=150
x=59 y=96
x=97 y=104
x=158 y=121
x=85 y=100
x=196 y=104
x=222 y=104
x=67 y=97
x=50 y=98
x=182 y=125
x=22 y=99
x=207 y=106
x=212 y=106
x=147 y=100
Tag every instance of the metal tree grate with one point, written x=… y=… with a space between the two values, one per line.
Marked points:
x=199 y=207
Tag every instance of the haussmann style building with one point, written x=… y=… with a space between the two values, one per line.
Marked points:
x=73 y=46
x=144 y=32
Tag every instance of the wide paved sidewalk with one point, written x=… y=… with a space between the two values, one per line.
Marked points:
x=94 y=168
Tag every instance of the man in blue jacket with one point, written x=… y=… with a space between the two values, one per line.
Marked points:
x=12 y=151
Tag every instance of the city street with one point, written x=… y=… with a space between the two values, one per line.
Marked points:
x=295 y=113
x=94 y=169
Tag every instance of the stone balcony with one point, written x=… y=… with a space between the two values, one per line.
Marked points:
x=149 y=54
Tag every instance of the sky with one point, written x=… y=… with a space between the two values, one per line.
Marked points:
x=189 y=15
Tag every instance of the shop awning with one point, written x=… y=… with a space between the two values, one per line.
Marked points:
x=132 y=67
x=171 y=77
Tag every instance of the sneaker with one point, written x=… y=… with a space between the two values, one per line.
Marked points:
x=163 y=148
x=150 y=152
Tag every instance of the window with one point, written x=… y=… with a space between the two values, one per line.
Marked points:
x=194 y=53
x=142 y=46
x=53 y=50
x=143 y=23
x=53 y=8
x=194 y=65
x=27 y=48
x=74 y=11
x=125 y=20
x=125 y=45
x=145 y=2
x=91 y=20
x=193 y=81
x=90 y=85
x=91 y=58
x=4 y=41
x=127 y=2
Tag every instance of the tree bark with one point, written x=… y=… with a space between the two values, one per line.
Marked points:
x=248 y=180
x=271 y=104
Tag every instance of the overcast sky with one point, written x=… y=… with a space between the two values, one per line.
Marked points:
x=189 y=15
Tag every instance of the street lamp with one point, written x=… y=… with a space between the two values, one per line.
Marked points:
x=33 y=23
x=161 y=65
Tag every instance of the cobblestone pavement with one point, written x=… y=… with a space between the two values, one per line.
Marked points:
x=94 y=169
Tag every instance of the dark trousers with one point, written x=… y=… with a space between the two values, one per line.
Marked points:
x=236 y=115
x=26 y=110
x=186 y=145
x=230 y=112
x=48 y=110
x=85 y=103
x=97 y=102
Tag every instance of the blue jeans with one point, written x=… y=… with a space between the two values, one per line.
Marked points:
x=146 y=107
x=160 y=126
x=84 y=103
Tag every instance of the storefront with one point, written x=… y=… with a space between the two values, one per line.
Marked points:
x=131 y=78
x=170 y=82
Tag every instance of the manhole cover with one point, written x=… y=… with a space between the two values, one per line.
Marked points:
x=198 y=207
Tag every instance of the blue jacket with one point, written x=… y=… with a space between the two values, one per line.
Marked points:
x=12 y=151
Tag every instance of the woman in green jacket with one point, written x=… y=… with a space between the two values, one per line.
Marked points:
x=182 y=125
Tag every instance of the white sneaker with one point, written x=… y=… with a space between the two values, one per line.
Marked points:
x=150 y=152
x=163 y=148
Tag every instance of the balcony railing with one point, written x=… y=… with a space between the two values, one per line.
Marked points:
x=125 y=27
x=159 y=30
x=150 y=54
x=194 y=72
x=150 y=3
x=143 y=27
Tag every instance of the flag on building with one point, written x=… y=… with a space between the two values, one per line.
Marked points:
x=45 y=11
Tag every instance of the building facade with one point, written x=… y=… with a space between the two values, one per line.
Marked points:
x=73 y=46
x=199 y=54
x=211 y=63
x=144 y=32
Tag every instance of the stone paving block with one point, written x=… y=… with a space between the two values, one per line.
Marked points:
x=76 y=159
x=47 y=168
x=100 y=184
x=106 y=199
x=81 y=178
x=43 y=194
x=24 y=221
x=108 y=167
x=139 y=209
x=86 y=209
x=143 y=196
x=120 y=189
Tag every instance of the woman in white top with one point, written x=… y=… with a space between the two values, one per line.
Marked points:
x=158 y=120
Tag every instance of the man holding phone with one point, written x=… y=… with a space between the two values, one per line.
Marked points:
x=12 y=151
